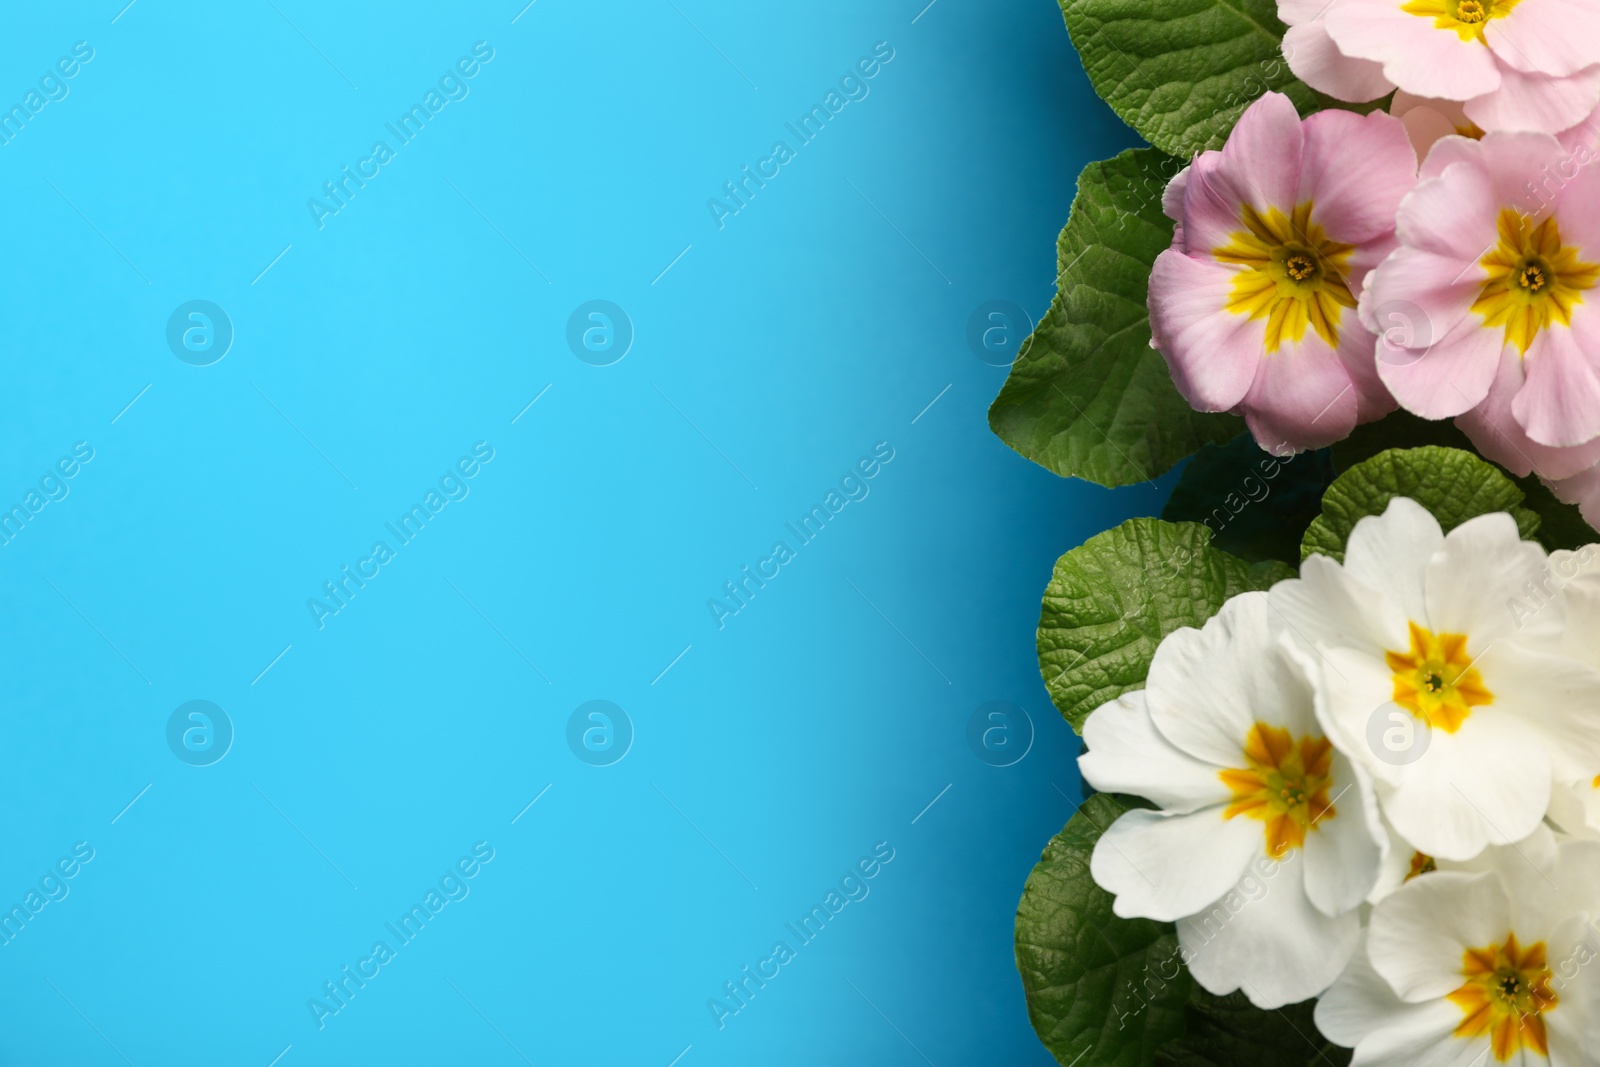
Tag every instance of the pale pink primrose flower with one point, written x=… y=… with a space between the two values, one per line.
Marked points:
x=1513 y=64
x=1498 y=260
x=1254 y=305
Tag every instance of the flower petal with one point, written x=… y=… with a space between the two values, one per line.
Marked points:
x=1500 y=563
x=1426 y=128
x=1356 y=169
x=1260 y=163
x=1559 y=404
x=1548 y=882
x=1167 y=866
x=1450 y=376
x=1212 y=353
x=1418 y=933
x=1127 y=754
x=1578 y=210
x=1394 y=870
x=1267 y=939
x=1494 y=431
x=1361 y=1011
x=1536 y=101
x=1416 y=56
x=1553 y=697
x=1211 y=215
x=1317 y=61
x=1354 y=689
x=1358 y=353
x=1582 y=489
x=1442 y=802
x=1455 y=149
x=1580 y=595
x=1342 y=851
x=1172 y=205
x=1549 y=38
x=1415 y=297
x=1392 y=551
x=1583 y=138
x=1302 y=396
x=1327 y=605
x=1455 y=214
x=1207 y=688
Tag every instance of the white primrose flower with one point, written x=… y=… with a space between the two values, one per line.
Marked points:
x=1575 y=809
x=1262 y=847
x=1574 y=578
x=1492 y=961
x=1440 y=680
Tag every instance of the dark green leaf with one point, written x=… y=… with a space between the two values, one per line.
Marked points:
x=1089 y=398
x=1181 y=72
x=1112 y=600
x=1560 y=525
x=1231 y=1032
x=1454 y=485
x=1102 y=991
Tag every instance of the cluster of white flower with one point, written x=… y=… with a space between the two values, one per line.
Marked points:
x=1379 y=784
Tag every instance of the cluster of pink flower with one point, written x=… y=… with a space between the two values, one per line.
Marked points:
x=1443 y=256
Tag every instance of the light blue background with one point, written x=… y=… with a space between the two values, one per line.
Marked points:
x=774 y=753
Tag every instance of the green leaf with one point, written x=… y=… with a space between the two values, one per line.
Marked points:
x=1181 y=72
x=1109 y=992
x=1112 y=600
x=1102 y=991
x=1560 y=525
x=1089 y=398
x=1454 y=485
x=1257 y=505
x=1231 y=1032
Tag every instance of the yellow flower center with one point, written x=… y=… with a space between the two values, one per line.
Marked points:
x=1295 y=276
x=1421 y=863
x=1436 y=681
x=1284 y=783
x=1467 y=18
x=1534 y=280
x=1506 y=994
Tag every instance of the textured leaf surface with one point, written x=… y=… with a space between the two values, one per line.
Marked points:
x=1257 y=505
x=1181 y=72
x=1089 y=398
x=1102 y=991
x=1560 y=525
x=1231 y=1032
x=1454 y=485
x=1112 y=600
